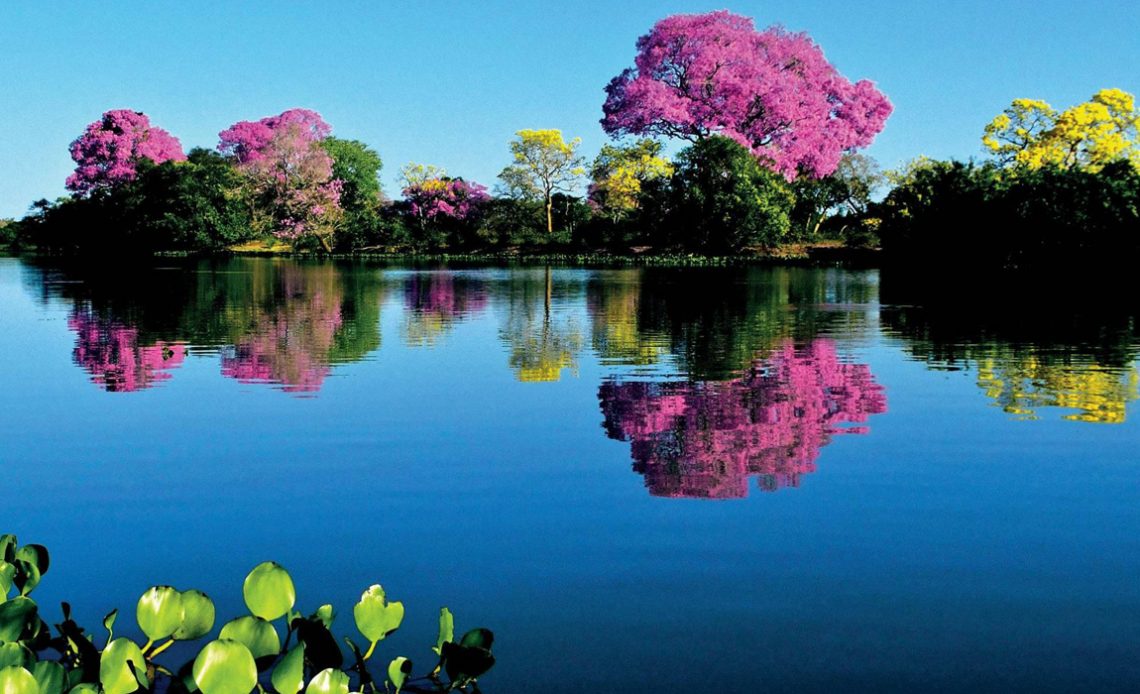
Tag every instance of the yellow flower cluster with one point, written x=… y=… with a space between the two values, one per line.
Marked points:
x=1031 y=133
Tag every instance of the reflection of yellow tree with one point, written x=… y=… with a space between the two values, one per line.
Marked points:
x=615 y=332
x=542 y=344
x=1022 y=384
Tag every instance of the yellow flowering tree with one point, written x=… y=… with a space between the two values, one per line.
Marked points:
x=543 y=164
x=1031 y=133
x=619 y=171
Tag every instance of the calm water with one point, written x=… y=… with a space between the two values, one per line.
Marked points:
x=771 y=479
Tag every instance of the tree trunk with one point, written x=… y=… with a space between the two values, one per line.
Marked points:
x=549 y=215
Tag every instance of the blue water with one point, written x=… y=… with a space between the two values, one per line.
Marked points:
x=724 y=480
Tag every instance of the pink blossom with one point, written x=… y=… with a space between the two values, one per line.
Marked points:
x=771 y=91
x=446 y=197
x=110 y=149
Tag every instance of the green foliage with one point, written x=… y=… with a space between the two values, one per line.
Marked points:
x=247 y=654
x=965 y=215
x=358 y=166
x=268 y=591
x=726 y=201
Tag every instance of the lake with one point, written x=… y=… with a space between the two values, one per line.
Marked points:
x=646 y=479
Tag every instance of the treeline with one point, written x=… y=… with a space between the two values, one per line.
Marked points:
x=715 y=198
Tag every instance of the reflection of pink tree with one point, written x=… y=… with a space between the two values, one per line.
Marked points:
x=435 y=301
x=110 y=352
x=291 y=344
x=705 y=439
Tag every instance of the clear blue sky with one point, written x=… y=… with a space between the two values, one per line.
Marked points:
x=448 y=83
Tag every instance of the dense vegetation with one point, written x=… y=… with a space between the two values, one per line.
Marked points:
x=771 y=162
x=248 y=652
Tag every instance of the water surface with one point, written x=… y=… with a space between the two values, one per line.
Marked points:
x=731 y=480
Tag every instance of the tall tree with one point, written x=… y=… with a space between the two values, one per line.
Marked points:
x=290 y=174
x=771 y=91
x=544 y=164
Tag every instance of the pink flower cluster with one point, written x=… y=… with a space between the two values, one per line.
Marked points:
x=110 y=149
x=774 y=92
x=705 y=439
x=248 y=141
x=283 y=158
x=111 y=353
x=446 y=197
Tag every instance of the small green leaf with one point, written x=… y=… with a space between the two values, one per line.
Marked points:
x=115 y=674
x=375 y=616
x=16 y=680
x=16 y=616
x=7 y=575
x=35 y=554
x=159 y=612
x=197 y=616
x=326 y=614
x=268 y=591
x=27 y=576
x=109 y=623
x=289 y=675
x=8 y=547
x=84 y=688
x=50 y=677
x=328 y=681
x=258 y=635
x=225 y=667
x=399 y=670
x=478 y=638
x=446 y=629
x=16 y=654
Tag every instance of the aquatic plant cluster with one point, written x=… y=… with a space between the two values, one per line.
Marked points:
x=248 y=652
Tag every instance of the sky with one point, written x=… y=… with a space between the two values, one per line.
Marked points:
x=449 y=83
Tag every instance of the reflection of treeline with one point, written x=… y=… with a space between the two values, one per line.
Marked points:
x=1048 y=350
x=272 y=321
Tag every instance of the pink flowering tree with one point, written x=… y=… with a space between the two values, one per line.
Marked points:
x=772 y=91
x=445 y=197
x=109 y=151
x=290 y=176
x=706 y=439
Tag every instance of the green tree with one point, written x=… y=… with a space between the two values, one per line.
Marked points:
x=358 y=166
x=726 y=201
x=544 y=164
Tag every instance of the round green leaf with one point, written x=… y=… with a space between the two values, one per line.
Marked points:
x=255 y=633
x=50 y=677
x=197 y=616
x=16 y=615
x=289 y=675
x=268 y=591
x=115 y=671
x=16 y=654
x=225 y=667
x=328 y=681
x=375 y=616
x=399 y=670
x=159 y=612
x=16 y=680
x=84 y=688
x=27 y=575
x=35 y=554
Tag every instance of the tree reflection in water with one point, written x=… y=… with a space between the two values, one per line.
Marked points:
x=110 y=352
x=707 y=438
